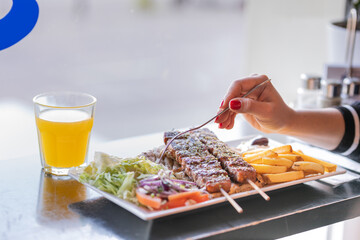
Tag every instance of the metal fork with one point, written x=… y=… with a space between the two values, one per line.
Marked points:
x=195 y=128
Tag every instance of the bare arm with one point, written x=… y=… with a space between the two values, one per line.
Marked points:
x=266 y=111
x=323 y=128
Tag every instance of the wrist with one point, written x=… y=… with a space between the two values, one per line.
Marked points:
x=289 y=122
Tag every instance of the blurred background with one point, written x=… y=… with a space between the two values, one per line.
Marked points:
x=155 y=65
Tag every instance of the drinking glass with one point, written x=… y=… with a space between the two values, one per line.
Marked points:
x=64 y=121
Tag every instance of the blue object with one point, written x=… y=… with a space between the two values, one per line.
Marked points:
x=18 y=23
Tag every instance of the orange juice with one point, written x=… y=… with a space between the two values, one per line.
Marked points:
x=64 y=136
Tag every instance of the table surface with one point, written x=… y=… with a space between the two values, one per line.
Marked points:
x=39 y=206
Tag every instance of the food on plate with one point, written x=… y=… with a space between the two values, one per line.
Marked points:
x=208 y=161
x=251 y=152
x=308 y=167
x=283 y=177
x=140 y=181
x=203 y=168
x=292 y=157
x=263 y=141
x=162 y=192
x=196 y=166
x=187 y=198
x=263 y=168
x=277 y=161
x=259 y=155
x=154 y=156
x=297 y=164
x=148 y=200
x=231 y=161
x=248 y=146
x=118 y=176
x=282 y=149
x=271 y=153
x=329 y=167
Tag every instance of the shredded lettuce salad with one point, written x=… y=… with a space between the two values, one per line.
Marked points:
x=118 y=176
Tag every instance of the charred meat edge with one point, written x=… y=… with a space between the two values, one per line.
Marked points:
x=238 y=169
x=194 y=158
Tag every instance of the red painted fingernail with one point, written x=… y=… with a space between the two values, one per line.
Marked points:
x=220 y=125
x=216 y=119
x=222 y=103
x=235 y=104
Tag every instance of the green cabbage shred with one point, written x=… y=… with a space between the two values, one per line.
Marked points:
x=118 y=176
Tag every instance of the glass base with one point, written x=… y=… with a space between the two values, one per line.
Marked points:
x=57 y=171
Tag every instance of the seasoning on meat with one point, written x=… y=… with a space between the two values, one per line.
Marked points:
x=238 y=169
x=202 y=167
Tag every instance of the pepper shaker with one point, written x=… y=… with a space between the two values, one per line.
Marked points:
x=330 y=95
x=309 y=91
x=350 y=91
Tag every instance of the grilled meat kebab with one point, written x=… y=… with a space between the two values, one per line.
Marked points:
x=204 y=157
x=202 y=167
x=238 y=169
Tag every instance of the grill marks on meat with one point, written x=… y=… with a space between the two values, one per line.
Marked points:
x=207 y=172
x=238 y=169
x=171 y=134
x=188 y=147
x=204 y=169
x=208 y=161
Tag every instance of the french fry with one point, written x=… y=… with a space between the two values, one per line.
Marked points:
x=283 y=177
x=263 y=168
x=258 y=160
x=253 y=152
x=283 y=164
x=267 y=153
x=292 y=157
x=282 y=149
x=277 y=162
x=329 y=167
x=308 y=167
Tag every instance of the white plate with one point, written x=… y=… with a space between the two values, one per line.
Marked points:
x=145 y=214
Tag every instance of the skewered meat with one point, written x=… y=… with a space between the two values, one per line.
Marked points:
x=238 y=169
x=203 y=168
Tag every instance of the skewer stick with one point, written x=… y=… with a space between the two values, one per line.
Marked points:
x=231 y=201
x=261 y=192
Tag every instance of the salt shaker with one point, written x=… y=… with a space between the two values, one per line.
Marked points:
x=350 y=91
x=330 y=93
x=309 y=91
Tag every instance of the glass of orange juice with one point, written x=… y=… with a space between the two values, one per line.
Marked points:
x=64 y=121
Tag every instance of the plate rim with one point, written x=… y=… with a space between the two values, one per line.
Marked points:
x=147 y=215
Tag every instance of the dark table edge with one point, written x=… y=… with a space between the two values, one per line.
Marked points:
x=345 y=205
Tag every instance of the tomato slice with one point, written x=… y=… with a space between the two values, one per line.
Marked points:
x=174 y=200
x=184 y=195
x=154 y=202
x=174 y=203
x=201 y=198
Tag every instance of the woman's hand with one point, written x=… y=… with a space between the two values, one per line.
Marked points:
x=264 y=108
